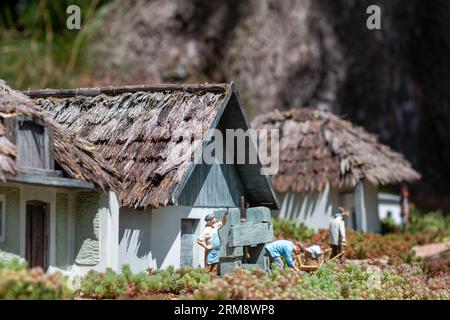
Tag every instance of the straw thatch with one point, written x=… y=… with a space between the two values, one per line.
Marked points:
x=144 y=135
x=317 y=147
x=77 y=157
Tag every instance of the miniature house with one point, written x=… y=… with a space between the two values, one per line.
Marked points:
x=52 y=186
x=142 y=132
x=326 y=162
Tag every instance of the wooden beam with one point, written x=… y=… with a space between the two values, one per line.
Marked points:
x=23 y=117
x=50 y=181
x=112 y=90
x=259 y=214
x=232 y=219
x=11 y=128
x=41 y=172
x=250 y=234
x=265 y=265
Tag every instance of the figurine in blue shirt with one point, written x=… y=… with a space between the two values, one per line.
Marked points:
x=283 y=248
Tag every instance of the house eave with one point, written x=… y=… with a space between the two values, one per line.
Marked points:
x=50 y=181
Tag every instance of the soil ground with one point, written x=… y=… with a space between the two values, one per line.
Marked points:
x=430 y=250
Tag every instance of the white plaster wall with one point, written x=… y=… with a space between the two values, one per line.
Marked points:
x=135 y=239
x=389 y=205
x=166 y=234
x=384 y=208
x=109 y=225
x=314 y=209
x=152 y=239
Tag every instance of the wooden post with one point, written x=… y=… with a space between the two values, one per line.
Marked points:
x=248 y=236
x=360 y=207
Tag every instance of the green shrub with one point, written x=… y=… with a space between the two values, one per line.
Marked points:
x=331 y=281
x=366 y=245
x=396 y=245
x=389 y=226
x=434 y=226
x=287 y=229
x=107 y=285
x=255 y=284
x=110 y=285
x=17 y=282
x=14 y=264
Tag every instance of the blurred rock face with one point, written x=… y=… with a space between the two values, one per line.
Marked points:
x=283 y=54
x=163 y=40
x=296 y=53
x=280 y=53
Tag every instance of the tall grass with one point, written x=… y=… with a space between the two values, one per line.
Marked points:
x=38 y=50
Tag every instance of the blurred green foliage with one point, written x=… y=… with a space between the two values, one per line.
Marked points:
x=424 y=228
x=14 y=264
x=435 y=224
x=388 y=225
x=331 y=281
x=111 y=285
x=287 y=229
x=17 y=282
x=38 y=50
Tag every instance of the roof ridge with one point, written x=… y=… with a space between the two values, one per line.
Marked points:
x=114 y=90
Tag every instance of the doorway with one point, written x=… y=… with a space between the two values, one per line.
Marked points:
x=36 y=237
x=189 y=254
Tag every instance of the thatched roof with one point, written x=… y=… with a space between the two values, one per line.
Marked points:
x=76 y=156
x=141 y=131
x=317 y=147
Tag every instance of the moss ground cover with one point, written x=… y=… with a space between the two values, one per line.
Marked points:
x=332 y=281
x=19 y=282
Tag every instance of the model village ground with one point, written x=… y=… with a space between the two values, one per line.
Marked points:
x=239 y=150
x=97 y=202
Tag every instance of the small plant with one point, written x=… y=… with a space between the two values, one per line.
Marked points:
x=288 y=229
x=331 y=281
x=430 y=227
x=17 y=282
x=14 y=264
x=110 y=285
x=389 y=226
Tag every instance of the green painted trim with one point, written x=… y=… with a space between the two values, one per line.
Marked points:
x=12 y=220
x=62 y=229
x=50 y=181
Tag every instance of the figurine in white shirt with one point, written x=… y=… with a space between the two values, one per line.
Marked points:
x=337 y=232
x=209 y=239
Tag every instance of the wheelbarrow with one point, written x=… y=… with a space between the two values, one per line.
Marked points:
x=306 y=262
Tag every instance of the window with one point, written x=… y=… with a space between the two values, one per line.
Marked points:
x=34 y=143
x=189 y=248
x=31 y=145
x=2 y=218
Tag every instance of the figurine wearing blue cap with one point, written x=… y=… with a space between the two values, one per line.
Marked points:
x=209 y=239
